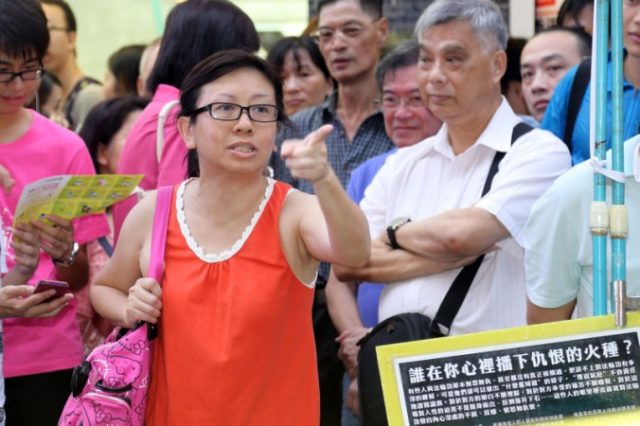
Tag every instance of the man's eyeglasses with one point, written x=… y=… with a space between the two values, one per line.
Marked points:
x=392 y=102
x=26 y=75
x=226 y=111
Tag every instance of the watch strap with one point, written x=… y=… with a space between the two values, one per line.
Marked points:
x=391 y=233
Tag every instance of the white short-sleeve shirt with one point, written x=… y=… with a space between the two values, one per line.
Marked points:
x=428 y=179
x=559 y=250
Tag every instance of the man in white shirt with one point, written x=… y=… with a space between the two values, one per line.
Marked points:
x=559 y=251
x=438 y=183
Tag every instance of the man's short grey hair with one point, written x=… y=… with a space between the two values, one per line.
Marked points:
x=404 y=55
x=484 y=16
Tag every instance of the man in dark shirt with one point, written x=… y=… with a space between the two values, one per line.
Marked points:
x=350 y=35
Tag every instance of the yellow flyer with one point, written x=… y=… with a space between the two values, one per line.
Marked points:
x=73 y=196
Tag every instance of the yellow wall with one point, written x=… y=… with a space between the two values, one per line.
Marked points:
x=106 y=25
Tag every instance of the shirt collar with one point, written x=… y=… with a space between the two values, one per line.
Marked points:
x=493 y=136
x=329 y=108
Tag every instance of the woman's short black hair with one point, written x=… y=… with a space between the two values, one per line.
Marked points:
x=124 y=64
x=105 y=119
x=213 y=68
x=196 y=29
x=279 y=51
x=23 y=29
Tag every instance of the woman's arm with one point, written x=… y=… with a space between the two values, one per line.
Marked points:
x=119 y=292
x=332 y=227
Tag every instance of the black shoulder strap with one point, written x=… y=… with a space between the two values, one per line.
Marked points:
x=441 y=323
x=578 y=89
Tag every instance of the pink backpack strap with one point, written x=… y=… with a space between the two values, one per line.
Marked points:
x=159 y=232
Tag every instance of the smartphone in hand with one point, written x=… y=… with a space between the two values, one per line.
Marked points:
x=60 y=287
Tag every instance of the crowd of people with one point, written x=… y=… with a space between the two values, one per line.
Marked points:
x=315 y=193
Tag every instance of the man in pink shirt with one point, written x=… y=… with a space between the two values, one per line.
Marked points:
x=39 y=353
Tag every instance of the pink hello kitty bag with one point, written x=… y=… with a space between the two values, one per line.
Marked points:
x=110 y=386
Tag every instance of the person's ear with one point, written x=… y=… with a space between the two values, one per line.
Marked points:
x=72 y=36
x=499 y=64
x=382 y=27
x=102 y=157
x=186 y=131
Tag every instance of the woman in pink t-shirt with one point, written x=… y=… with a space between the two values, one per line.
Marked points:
x=39 y=353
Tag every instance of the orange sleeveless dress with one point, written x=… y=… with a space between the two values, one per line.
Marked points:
x=235 y=342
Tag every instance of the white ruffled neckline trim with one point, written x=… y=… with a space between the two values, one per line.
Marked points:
x=226 y=254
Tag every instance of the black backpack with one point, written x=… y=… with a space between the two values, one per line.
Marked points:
x=578 y=90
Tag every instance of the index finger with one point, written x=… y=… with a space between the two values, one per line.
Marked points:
x=318 y=135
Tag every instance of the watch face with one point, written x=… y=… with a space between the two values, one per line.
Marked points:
x=399 y=221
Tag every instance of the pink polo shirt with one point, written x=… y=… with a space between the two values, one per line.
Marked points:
x=139 y=153
x=40 y=345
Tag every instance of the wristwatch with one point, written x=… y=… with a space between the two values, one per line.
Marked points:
x=393 y=227
x=68 y=261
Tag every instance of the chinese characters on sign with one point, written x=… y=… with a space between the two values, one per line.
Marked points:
x=570 y=377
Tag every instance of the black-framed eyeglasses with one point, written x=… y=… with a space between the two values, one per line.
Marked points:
x=227 y=111
x=26 y=75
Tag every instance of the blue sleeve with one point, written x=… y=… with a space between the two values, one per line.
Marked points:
x=362 y=176
x=357 y=183
x=555 y=116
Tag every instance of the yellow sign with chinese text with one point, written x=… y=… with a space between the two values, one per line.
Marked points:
x=583 y=371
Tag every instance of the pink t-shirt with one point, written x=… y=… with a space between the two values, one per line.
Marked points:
x=139 y=153
x=40 y=345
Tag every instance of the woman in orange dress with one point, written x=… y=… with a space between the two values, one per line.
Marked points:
x=235 y=340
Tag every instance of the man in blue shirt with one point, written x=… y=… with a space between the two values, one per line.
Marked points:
x=556 y=114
